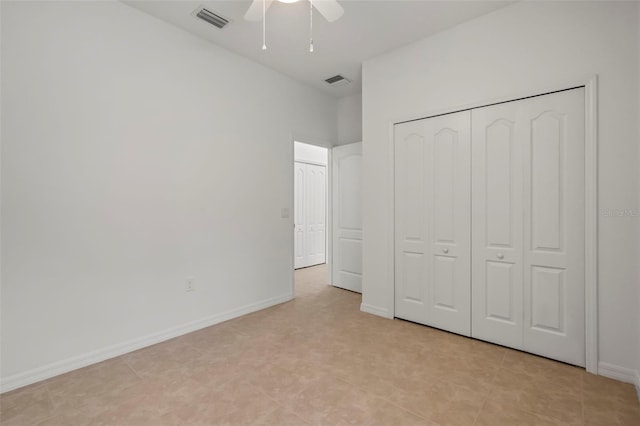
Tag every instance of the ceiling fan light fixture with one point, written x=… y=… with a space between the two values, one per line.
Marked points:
x=330 y=9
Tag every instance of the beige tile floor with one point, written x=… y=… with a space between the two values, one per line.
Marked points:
x=319 y=360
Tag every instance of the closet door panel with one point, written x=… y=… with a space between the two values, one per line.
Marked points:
x=500 y=292
x=310 y=189
x=499 y=163
x=410 y=222
x=432 y=231
x=300 y=224
x=316 y=208
x=497 y=226
x=553 y=137
x=448 y=189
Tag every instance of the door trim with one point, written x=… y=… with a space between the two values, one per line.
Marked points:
x=591 y=223
x=313 y=163
x=590 y=85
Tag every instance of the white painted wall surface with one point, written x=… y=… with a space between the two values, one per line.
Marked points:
x=638 y=205
x=136 y=155
x=350 y=119
x=524 y=48
x=310 y=153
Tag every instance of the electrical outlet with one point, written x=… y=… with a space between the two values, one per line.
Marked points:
x=191 y=285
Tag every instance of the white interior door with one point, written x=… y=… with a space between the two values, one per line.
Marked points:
x=410 y=222
x=497 y=226
x=433 y=221
x=347 y=216
x=554 y=221
x=310 y=193
x=528 y=225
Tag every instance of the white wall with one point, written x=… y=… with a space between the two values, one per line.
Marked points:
x=527 y=47
x=350 y=119
x=310 y=153
x=134 y=156
x=638 y=208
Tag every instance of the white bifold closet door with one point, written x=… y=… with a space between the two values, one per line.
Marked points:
x=432 y=232
x=528 y=225
x=489 y=223
x=310 y=196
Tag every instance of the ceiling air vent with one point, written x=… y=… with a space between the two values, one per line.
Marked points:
x=210 y=17
x=337 y=80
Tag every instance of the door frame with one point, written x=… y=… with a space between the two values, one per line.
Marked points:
x=590 y=84
x=328 y=224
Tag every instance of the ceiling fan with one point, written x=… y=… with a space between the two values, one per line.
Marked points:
x=330 y=9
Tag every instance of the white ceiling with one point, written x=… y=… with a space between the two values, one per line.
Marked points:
x=367 y=29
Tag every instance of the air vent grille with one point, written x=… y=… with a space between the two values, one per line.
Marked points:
x=212 y=18
x=337 y=80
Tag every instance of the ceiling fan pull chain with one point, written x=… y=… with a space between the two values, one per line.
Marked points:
x=264 y=24
x=311 y=26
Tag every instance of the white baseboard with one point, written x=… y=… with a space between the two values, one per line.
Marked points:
x=638 y=385
x=375 y=310
x=60 y=367
x=616 y=372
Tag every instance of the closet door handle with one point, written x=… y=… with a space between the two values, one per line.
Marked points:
x=500 y=256
x=445 y=250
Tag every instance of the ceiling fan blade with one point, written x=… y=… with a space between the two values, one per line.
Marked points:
x=330 y=9
x=255 y=10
